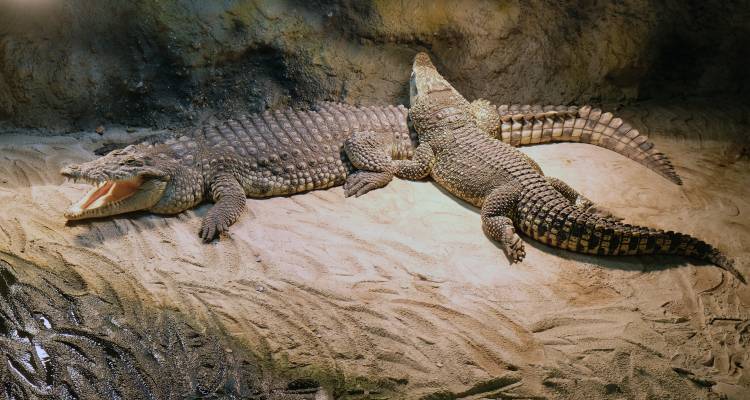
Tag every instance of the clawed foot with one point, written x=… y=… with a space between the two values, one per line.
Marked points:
x=362 y=182
x=513 y=245
x=211 y=227
x=516 y=251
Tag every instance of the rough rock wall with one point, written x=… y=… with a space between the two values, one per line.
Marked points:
x=76 y=64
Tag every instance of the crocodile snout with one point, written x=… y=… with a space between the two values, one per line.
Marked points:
x=70 y=170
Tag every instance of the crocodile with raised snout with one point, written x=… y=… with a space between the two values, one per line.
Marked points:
x=289 y=151
x=511 y=191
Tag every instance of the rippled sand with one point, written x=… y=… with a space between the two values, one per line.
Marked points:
x=402 y=286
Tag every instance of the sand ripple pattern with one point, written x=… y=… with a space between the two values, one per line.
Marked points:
x=402 y=287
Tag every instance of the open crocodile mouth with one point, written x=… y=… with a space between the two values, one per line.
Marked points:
x=111 y=197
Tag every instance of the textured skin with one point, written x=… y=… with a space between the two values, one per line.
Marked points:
x=511 y=192
x=275 y=153
x=520 y=125
x=270 y=154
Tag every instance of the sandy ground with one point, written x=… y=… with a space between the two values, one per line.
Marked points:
x=402 y=286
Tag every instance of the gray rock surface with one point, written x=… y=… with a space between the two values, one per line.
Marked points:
x=77 y=64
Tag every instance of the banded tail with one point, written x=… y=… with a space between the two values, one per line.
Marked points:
x=532 y=124
x=551 y=219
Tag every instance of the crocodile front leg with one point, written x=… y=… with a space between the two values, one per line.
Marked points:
x=369 y=153
x=229 y=198
x=496 y=222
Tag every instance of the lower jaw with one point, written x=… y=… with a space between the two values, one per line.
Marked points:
x=87 y=214
x=102 y=212
x=143 y=198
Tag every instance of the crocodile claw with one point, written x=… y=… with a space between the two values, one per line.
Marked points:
x=515 y=248
x=211 y=227
x=361 y=182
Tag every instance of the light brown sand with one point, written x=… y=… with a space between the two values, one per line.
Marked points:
x=402 y=284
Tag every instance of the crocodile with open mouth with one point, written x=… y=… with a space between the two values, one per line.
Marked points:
x=289 y=151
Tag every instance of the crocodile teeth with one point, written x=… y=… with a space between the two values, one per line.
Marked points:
x=104 y=193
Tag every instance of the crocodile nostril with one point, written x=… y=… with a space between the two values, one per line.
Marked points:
x=69 y=170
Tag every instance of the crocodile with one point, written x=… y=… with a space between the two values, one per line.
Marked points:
x=284 y=152
x=511 y=191
x=527 y=124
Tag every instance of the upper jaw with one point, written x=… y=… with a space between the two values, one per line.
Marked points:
x=76 y=173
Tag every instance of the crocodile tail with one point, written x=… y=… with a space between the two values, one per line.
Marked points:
x=558 y=224
x=532 y=124
x=718 y=258
x=686 y=245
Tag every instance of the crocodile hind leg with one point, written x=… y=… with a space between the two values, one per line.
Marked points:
x=575 y=198
x=230 y=203
x=580 y=201
x=496 y=223
x=534 y=165
x=368 y=152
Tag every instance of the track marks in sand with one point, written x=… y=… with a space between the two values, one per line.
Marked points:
x=404 y=286
x=67 y=335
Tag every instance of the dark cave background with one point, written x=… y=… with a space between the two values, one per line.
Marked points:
x=72 y=65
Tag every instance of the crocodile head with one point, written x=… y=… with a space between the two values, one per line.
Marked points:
x=130 y=179
x=434 y=104
x=425 y=79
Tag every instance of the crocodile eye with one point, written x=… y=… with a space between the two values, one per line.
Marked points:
x=133 y=162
